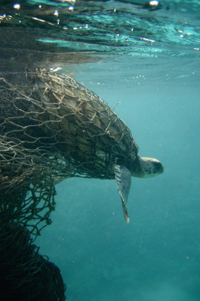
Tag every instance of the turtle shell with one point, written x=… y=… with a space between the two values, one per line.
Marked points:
x=53 y=128
x=72 y=129
x=86 y=130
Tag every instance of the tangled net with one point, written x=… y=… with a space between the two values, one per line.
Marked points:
x=51 y=128
x=26 y=275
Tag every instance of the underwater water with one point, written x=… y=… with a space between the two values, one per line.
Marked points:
x=145 y=63
x=156 y=256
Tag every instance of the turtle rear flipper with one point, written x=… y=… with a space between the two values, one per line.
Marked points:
x=123 y=180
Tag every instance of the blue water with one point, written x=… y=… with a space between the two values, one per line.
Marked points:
x=157 y=255
x=153 y=85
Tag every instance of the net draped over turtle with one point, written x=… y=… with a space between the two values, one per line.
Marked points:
x=52 y=128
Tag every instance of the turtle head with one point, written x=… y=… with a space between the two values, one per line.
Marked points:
x=147 y=168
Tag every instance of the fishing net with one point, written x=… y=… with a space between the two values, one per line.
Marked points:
x=51 y=128
x=26 y=275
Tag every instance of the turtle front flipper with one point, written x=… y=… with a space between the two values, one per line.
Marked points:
x=123 y=180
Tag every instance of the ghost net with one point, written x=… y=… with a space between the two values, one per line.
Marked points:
x=51 y=128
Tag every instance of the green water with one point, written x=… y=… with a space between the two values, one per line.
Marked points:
x=153 y=73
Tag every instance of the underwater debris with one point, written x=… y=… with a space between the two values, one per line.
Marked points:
x=25 y=274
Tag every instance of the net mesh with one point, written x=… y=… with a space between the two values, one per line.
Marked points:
x=51 y=128
x=26 y=275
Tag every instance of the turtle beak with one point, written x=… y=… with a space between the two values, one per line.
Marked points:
x=150 y=167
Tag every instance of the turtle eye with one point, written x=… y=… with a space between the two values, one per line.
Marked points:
x=158 y=167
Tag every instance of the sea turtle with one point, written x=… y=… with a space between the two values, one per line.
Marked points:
x=98 y=142
x=73 y=131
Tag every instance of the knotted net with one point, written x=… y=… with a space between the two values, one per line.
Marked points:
x=51 y=128
x=26 y=275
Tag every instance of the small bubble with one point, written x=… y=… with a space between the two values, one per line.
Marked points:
x=16 y=6
x=55 y=13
